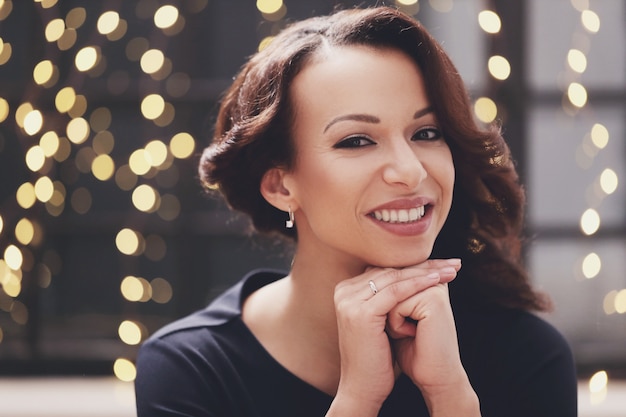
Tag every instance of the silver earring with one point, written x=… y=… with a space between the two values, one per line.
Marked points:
x=289 y=223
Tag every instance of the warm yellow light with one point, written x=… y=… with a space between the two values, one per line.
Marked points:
x=33 y=122
x=44 y=188
x=129 y=332
x=1 y=224
x=599 y=135
x=139 y=162
x=590 y=222
x=489 y=21
x=592 y=264
x=265 y=42
x=620 y=302
x=86 y=58
x=269 y=6
x=49 y=143
x=609 y=303
x=4 y=109
x=485 y=110
x=182 y=145
x=11 y=284
x=499 y=67
x=406 y=2
x=103 y=167
x=151 y=61
x=108 y=22
x=128 y=241
x=161 y=290
x=46 y=4
x=166 y=16
x=25 y=195
x=577 y=94
x=152 y=106
x=21 y=113
x=156 y=153
x=145 y=198
x=609 y=181
x=24 y=231
x=131 y=288
x=598 y=381
x=54 y=30
x=77 y=130
x=65 y=99
x=13 y=257
x=43 y=72
x=35 y=158
x=5 y=53
x=124 y=370
x=577 y=60
x=590 y=21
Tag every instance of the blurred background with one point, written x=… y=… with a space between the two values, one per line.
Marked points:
x=106 y=235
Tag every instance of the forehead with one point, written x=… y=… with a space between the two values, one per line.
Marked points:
x=357 y=78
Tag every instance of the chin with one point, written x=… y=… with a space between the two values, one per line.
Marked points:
x=402 y=260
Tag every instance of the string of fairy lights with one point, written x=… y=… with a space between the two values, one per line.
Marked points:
x=147 y=172
x=87 y=141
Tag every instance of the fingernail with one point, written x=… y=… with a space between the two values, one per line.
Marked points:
x=448 y=270
x=454 y=261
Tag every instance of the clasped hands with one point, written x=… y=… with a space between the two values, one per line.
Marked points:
x=389 y=318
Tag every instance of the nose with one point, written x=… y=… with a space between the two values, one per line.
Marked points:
x=403 y=166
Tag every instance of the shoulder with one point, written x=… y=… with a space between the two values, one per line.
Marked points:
x=516 y=359
x=200 y=329
x=193 y=363
x=514 y=337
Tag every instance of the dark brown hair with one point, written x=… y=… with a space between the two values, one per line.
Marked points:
x=252 y=135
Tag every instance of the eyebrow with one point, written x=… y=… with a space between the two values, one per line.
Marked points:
x=372 y=119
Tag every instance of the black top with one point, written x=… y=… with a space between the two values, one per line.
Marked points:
x=210 y=364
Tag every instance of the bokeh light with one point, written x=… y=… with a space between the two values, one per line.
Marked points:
x=485 y=109
x=590 y=221
x=489 y=21
x=124 y=370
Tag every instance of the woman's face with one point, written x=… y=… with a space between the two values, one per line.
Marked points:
x=373 y=177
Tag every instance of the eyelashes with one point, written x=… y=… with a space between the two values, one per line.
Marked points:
x=355 y=141
x=427 y=134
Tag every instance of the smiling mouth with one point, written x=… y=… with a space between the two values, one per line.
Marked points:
x=399 y=216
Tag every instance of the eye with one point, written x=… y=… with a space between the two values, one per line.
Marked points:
x=354 y=142
x=427 y=134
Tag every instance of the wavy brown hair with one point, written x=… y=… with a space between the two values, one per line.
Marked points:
x=252 y=135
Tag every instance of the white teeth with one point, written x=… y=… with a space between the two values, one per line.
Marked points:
x=400 y=216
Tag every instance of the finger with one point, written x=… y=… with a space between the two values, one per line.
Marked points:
x=396 y=292
x=402 y=319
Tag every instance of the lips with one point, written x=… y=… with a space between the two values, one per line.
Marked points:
x=399 y=215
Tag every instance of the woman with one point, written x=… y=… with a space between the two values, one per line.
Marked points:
x=353 y=135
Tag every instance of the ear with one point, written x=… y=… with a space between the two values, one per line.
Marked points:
x=275 y=190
